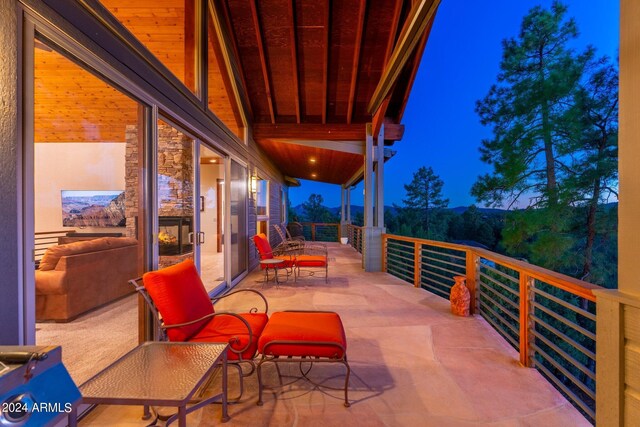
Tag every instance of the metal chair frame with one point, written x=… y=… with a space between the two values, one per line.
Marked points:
x=161 y=327
x=302 y=359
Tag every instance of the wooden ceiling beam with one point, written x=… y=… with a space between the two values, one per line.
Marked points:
x=412 y=32
x=353 y=147
x=314 y=131
x=325 y=65
x=356 y=59
x=263 y=59
x=294 y=58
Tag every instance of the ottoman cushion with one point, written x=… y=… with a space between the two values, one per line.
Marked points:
x=307 y=333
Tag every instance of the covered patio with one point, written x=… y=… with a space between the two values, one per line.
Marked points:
x=413 y=363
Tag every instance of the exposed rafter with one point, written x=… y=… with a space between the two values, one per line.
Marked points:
x=294 y=58
x=412 y=32
x=356 y=59
x=325 y=62
x=263 y=59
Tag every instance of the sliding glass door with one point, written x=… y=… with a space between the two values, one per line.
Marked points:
x=238 y=204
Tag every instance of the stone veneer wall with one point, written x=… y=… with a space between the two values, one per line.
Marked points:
x=175 y=174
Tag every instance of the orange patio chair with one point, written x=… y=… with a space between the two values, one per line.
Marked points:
x=184 y=312
x=307 y=256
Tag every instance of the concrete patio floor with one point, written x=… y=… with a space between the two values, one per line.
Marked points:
x=413 y=364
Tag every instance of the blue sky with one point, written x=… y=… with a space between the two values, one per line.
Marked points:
x=459 y=65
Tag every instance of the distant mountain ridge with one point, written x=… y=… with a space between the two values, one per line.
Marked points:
x=356 y=209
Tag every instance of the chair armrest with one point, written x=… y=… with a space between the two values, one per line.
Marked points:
x=211 y=316
x=253 y=309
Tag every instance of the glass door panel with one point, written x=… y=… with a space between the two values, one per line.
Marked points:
x=238 y=205
x=175 y=196
x=211 y=210
x=88 y=204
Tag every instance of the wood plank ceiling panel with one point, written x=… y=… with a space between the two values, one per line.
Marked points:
x=380 y=14
x=245 y=34
x=330 y=166
x=344 y=25
x=276 y=33
x=310 y=34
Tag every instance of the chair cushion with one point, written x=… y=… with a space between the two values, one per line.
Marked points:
x=311 y=260
x=264 y=248
x=306 y=332
x=180 y=296
x=225 y=328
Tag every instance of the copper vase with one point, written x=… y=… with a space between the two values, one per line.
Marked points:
x=460 y=297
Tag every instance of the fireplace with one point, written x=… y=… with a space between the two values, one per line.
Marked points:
x=173 y=234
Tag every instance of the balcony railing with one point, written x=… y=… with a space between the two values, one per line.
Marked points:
x=355 y=236
x=321 y=231
x=548 y=317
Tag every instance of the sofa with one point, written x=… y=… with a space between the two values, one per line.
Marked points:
x=77 y=277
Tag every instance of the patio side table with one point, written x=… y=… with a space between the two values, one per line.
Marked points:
x=274 y=264
x=160 y=374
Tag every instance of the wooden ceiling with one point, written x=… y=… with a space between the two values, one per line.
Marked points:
x=308 y=69
x=311 y=68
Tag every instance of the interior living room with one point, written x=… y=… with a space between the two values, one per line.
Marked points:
x=140 y=134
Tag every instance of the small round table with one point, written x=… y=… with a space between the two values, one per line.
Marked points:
x=274 y=264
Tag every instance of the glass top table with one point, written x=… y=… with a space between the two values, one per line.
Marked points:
x=160 y=374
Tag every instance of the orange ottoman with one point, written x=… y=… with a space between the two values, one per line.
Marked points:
x=303 y=336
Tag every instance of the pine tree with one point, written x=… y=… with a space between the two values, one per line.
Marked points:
x=424 y=195
x=527 y=110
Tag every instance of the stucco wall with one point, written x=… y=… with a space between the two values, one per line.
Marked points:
x=10 y=282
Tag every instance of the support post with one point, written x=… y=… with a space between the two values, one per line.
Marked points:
x=348 y=205
x=371 y=233
x=380 y=179
x=368 y=179
x=342 y=228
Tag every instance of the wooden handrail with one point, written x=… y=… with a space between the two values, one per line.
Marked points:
x=566 y=283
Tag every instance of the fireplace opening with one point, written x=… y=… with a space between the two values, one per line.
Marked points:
x=173 y=235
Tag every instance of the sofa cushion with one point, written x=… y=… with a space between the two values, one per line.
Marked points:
x=178 y=293
x=54 y=253
x=263 y=246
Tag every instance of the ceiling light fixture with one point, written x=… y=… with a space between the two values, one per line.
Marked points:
x=312 y=160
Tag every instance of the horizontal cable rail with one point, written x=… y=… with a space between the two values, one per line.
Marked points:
x=548 y=317
x=355 y=236
x=321 y=231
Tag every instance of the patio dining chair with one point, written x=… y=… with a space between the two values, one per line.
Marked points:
x=183 y=311
x=305 y=257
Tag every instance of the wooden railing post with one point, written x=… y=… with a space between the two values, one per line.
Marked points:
x=339 y=228
x=526 y=283
x=384 y=252
x=313 y=231
x=473 y=275
x=417 y=264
